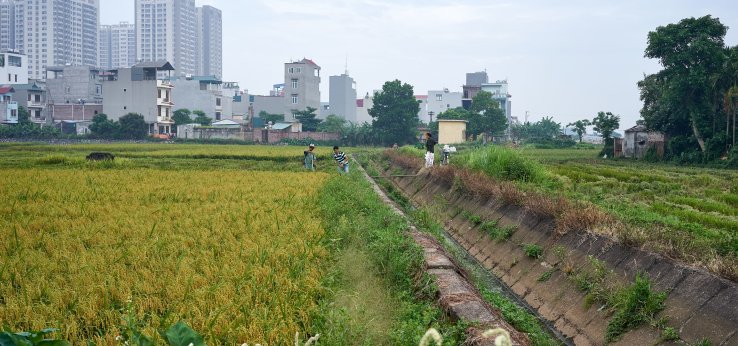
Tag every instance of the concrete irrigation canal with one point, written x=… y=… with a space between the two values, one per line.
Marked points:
x=700 y=306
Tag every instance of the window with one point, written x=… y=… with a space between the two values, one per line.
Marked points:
x=316 y=73
x=37 y=98
x=217 y=115
x=10 y=77
x=217 y=102
x=16 y=78
x=294 y=99
x=14 y=61
x=295 y=84
x=439 y=97
x=2 y=60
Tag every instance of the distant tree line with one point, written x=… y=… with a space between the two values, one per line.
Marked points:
x=694 y=98
x=129 y=126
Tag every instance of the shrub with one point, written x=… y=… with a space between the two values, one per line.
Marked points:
x=505 y=164
x=533 y=250
x=634 y=306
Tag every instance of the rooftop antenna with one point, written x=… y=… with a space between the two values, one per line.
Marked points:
x=346 y=66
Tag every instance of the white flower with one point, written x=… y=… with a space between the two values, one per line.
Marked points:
x=431 y=334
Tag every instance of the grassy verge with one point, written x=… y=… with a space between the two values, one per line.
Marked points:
x=377 y=293
x=686 y=213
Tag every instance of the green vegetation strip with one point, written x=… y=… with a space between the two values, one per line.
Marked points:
x=358 y=223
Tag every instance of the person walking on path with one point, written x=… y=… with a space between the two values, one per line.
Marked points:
x=341 y=159
x=430 y=147
x=310 y=159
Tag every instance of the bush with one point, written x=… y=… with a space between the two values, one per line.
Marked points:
x=552 y=143
x=505 y=164
x=29 y=131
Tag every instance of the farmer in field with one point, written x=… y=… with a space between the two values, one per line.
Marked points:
x=340 y=157
x=430 y=147
x=310 y=159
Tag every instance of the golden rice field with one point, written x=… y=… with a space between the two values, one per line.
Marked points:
x=235 y=254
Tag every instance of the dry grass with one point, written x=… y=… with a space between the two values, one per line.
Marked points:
x=235 y=254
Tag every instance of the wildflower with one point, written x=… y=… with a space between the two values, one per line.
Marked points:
x=431 y=334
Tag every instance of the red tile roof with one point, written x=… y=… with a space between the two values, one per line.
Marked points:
x=421 y=97
x=308 y=61
x=360 y=103
x=4 y=89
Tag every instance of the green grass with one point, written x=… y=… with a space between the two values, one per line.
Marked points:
x=694 y=209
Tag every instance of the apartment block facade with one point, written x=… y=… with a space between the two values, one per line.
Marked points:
x=117 y=46
x=166 y=30
x=57 y=32
x=301 y=87
x=209 y=45
x=7 y=25
x=342 y=97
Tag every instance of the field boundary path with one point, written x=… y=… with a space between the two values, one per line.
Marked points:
x=700 y=305
x=456 y=295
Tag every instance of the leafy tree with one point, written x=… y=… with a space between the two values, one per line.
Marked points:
x=133 y=126
x=606 y=124
x=681 y=100
x=545 y=128
x=308 y=119
x=201 y=118
x=731 y=108
x=182 y=117
x=580 y=127
x=486 y=115
x=363 y=134
x=395 y=113
x=333 y=123
x=103 y=127
x=23 y=117
x=274 y=118
x=458 y=113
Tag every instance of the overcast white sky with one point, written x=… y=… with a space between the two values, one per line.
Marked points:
x=566 y=59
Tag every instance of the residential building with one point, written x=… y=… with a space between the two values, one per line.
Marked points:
x=301 y=87
x=324 y=111
x=13 y=68
x=269 y=104
x=500 y=92
x=240 y=103
x=362 y=109
x=342 y=97
x=474 y=83
x=8 y=107
x=139 y=90
x=209 y=45
x=117 y=46
x=439 y=101
x=57 y=33
x=32 y=97
x=203 y=93
x=422 y=107
x=165 y=30
x=74 y=84
x=7 y=25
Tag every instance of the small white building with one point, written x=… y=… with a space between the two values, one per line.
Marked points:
x=8 y=107
x=439 y=101
x=13 y=68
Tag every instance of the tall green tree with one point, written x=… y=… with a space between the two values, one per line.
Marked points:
x=580 y=127
x=133 y=126
x=606 y=124
x=681 y=99
x=395 y=113
x=308 y=118
x=274 y=118
x=23 y=117
x=182 y=117
x=333 y=123
x=486 y=115
x=201 y=118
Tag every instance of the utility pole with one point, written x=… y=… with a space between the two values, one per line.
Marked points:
x=430 y=113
